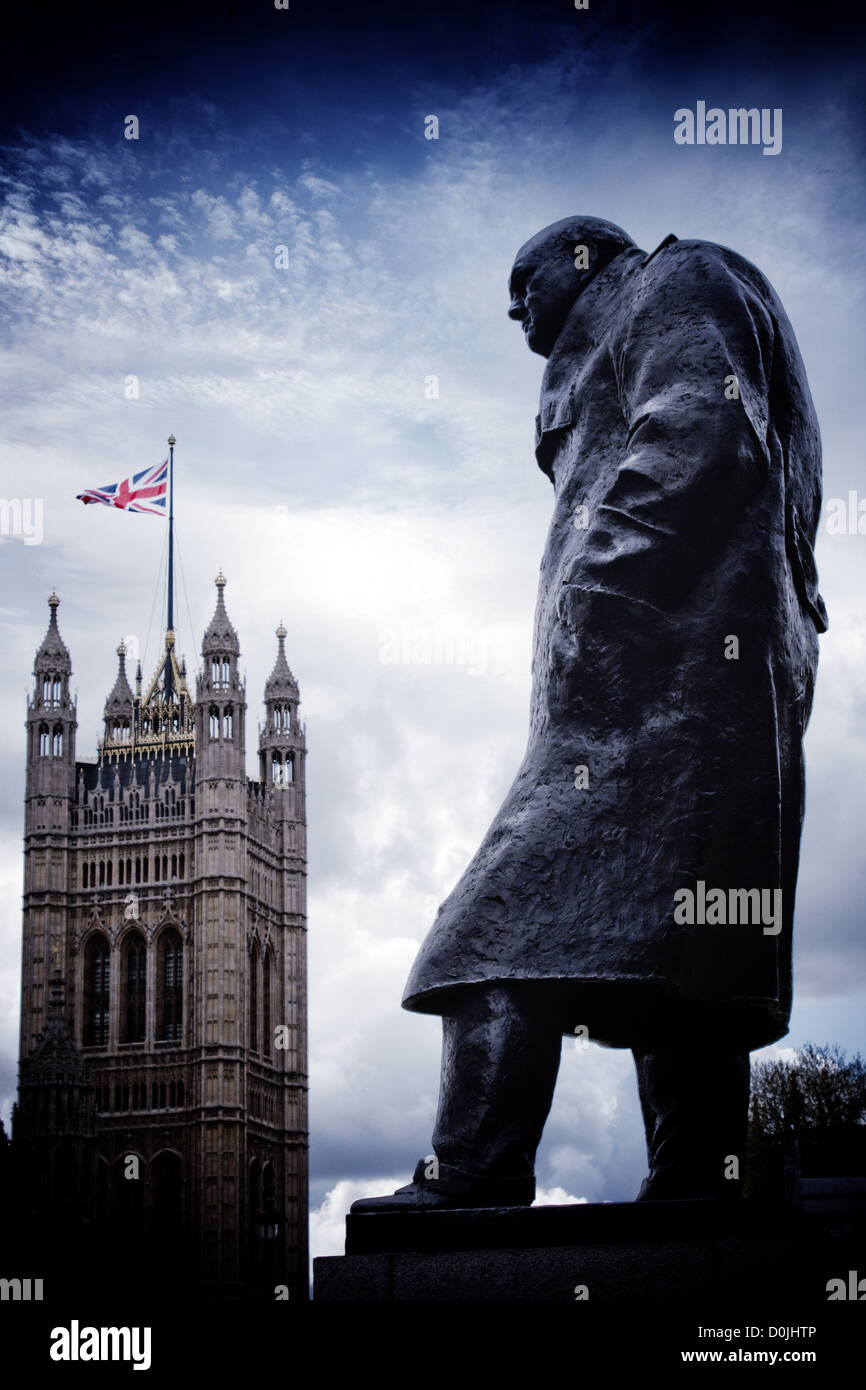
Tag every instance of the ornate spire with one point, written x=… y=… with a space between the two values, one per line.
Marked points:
x=120 y=700
x=281 y=682
x=55 y=1058
x=53 y=654
x=55 y=1097
x=220 y=636
x=164 y=719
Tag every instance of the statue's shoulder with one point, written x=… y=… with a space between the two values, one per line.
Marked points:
x=695 y=268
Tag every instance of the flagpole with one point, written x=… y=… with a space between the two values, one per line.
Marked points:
x=170 y=624
x=171 y=444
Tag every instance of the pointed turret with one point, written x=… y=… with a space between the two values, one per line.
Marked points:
x=51 y=712
x=220 y=637
x=53 y=657
x=281 y=742
x=48 y=799
x=121 y=694
x=119 y=705
x=281 y=684
x=220 y=696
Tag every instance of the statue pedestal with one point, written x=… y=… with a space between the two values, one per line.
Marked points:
x=753 y=1253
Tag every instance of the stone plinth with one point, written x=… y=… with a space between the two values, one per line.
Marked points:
x=729 y=1252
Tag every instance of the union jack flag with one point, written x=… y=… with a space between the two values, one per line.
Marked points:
x=143 y=492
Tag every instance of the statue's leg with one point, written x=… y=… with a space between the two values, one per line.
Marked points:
x=500 y=1058
x=695 y=1103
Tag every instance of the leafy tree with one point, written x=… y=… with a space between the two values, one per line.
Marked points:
x=810 y=1110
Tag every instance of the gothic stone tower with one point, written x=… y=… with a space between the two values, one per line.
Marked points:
x=168 y=889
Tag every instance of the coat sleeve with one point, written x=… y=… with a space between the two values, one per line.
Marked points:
x=694 y=457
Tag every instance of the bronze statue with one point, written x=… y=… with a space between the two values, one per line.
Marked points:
x=637 y=884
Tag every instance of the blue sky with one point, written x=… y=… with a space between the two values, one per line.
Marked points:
x=338 y=492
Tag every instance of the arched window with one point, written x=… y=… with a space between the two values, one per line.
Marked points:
x=227 y=723
x=287 y=720
x=173 y=867
x=266 y=1004
x=213 y=722
x=84 y=882
x=182 y=865
x=57 y=742
x=134 y=974
x=276 y=770
x=44 y=741
x=96 y=985
x=254 y=999
x=172 y=1094
x=276 y=719
x=220 y=673
x=290 y=767
x=170 y=985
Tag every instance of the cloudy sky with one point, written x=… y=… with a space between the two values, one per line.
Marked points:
x=354 y=416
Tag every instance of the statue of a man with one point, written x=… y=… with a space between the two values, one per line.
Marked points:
x=637 y=885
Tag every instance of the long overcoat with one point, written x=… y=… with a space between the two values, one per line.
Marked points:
x=674 y=661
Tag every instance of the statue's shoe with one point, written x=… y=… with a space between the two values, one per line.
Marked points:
x=450 y=1191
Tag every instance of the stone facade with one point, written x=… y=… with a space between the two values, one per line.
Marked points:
x=168 y=890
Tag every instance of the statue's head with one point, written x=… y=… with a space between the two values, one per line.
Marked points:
x=552 y=269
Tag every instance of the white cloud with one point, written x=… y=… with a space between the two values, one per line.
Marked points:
x=556 y=1197
x=318 y=187
x=328 y=1222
